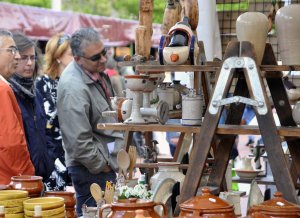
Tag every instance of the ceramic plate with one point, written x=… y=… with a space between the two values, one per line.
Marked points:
x=12 y=194
x=45 y=202
x=162 y=193
x=47 y=213
x=17 y=215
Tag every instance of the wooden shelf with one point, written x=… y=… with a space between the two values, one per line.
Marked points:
x=215 y=66
x=268 y=180
x=222 y=129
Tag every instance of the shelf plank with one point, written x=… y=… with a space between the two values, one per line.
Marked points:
x=222 y=129
x=149 y=127
x=212 y=66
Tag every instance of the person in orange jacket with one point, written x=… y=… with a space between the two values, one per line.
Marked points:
x=14 y=155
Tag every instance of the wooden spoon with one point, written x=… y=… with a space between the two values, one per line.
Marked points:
x=123 y=161
x=132 y=155
x=96 y=192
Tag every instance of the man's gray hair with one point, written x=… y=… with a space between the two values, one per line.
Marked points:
x=82 y=38
x=4 y=33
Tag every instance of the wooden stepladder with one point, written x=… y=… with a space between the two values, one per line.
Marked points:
x=239 y=62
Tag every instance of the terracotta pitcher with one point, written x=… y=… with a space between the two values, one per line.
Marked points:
x=126 y=208
x=253 y=27
x=33 y=184
x=287 y=21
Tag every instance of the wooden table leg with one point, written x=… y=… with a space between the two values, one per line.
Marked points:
x=178 y=147
x=128 y=139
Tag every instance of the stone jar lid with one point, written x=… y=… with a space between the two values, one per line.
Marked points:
x=206 y=203
x=276 y=206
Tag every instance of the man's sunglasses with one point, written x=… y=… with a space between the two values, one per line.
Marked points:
x=97 y=57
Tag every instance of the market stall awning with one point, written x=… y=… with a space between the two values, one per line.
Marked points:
x=41 y=24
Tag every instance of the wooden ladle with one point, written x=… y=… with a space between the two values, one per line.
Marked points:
x=123 y=161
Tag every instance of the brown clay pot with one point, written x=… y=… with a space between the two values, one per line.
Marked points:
x=276 y=207
x=126 y=208
x=206 y=205
x=71 y=213
x=33 y=184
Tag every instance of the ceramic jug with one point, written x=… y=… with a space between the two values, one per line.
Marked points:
x=192 y=107
x=253 y=27
x=287 y=21
x=126 y=208
x=245 y=164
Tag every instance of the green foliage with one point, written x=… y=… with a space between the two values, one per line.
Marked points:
x=126 y=9
x=96 y=7
x=36 y=3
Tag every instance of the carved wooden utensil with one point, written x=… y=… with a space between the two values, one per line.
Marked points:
x=132 y=156
x=96 y=192
x=123 y=161
x=109 y=192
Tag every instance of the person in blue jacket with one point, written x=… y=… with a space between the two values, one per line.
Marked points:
x=33 y=115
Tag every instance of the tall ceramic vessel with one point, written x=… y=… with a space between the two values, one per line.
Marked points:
x=253 y=27
x=287 y=23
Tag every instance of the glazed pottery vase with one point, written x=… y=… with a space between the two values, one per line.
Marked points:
x=253 y=27
x=126 y=208
x=276 y=207
x=69 y=198
x=287 y=23
x=167 y=170
x=33 y=184
x=206 y=205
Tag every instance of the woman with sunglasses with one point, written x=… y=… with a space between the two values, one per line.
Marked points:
x=57 y=56
x=33 y=115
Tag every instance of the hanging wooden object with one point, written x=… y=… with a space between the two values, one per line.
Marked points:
x=190 y=9
x=144 y=30
x=172 y=15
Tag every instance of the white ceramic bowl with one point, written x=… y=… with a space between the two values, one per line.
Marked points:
x=247 y=174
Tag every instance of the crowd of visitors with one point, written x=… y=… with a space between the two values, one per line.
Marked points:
x=49 y=120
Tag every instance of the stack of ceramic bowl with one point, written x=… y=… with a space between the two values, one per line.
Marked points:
x=12 y=200
x=52 y=207
x=69 y=198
